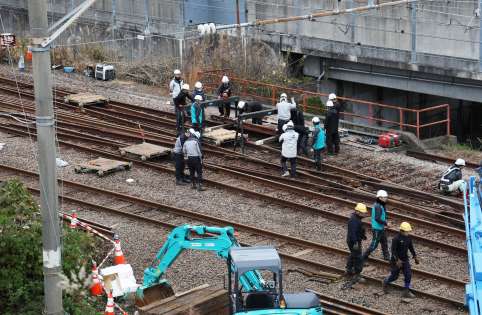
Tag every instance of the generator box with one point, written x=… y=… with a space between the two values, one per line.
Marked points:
x=389 y=140
x=104 y=72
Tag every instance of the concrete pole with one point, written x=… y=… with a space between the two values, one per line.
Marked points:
x=37 y=12
x=146 y=13
x=480 y=35
x=413 y=21
x=114 y=17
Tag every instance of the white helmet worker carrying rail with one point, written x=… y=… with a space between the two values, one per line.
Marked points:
x=198 y=98
x=185 y=86
x=290 y=125
x=332 y=96
x=283 y=97
x=460 y=162
x=177 y=72
x=225 y=79
x=198 y=85
x=382 y=194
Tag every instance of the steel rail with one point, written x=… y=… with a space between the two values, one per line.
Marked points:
x=438 y=158
x=275 y=184
x=217 y=151
x=211 y=219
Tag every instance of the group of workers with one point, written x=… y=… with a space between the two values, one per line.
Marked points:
x=293 y=134
x=400 y=247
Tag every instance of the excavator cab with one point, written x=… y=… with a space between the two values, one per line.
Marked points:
x=270 y=299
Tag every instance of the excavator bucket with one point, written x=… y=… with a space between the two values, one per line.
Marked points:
x=153 y=294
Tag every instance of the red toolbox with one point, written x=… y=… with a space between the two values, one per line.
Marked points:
x=388 y=140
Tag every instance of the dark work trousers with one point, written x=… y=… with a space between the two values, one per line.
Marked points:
x=395 y=272
x=378 y=236
x=195 y=169
x=179 y=164
x=221 y=109
x=180 y=118
x=227 y=109
x=281 y=123
x=317 y=158
x=303 y=143
x=284 y=167
x=354 y=263
x=257 y=121
x=333 y=142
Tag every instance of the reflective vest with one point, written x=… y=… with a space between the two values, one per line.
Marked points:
x=375 y=224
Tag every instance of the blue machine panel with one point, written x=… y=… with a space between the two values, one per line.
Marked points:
x=215 y=11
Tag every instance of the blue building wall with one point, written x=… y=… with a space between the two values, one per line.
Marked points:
x=215 y=11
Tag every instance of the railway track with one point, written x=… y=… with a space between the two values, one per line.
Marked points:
x=157 y=213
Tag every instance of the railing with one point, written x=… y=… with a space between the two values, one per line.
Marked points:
x=415 y=120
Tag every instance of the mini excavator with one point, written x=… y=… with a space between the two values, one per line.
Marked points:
x=249 y=293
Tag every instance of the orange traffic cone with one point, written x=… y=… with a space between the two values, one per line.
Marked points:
x=96 y=288
x=109 y=307
x=118 y=255
x=73 y=220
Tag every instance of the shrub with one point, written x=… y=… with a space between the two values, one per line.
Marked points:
x=21 y=275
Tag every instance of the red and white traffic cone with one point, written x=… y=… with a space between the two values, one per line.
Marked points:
x=118 y=255
x=73 y=220
x=109 y=307
x=96 y=288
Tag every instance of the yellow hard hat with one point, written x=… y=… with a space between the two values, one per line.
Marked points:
x=406 y=227
x=361 y=207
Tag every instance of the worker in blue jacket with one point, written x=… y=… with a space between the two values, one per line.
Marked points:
x=379 y=222
x=401 y=244
x=354 y=237
x=197 y=114
x=319 y=142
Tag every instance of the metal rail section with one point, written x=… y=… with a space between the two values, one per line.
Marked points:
x=438 y=158
x=408 y=119
x=195 y=215
x=473 y=228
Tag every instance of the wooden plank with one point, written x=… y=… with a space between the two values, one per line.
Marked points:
x=303 y=252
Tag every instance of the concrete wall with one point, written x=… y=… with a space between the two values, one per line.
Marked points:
x=446 y=34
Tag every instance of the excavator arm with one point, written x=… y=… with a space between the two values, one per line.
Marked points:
x=204 y=238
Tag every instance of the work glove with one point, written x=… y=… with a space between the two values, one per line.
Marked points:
x=399 y=263
x=416 y=260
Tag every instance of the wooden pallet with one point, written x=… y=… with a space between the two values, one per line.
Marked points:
x=86 y=99
x=145 y=150
x=220 y=135
x=202 y=300
x=102 y=166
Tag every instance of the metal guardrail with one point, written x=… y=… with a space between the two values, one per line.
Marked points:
x=414 y=120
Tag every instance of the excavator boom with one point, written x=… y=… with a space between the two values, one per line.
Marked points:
x=204 y=238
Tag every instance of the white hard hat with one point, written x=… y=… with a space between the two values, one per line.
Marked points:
x=283 y=95
x=285 y=126
x=192 y=131
x=382 y=194
x=332 y=96
x=177 y=72
x=290 y=124
x=329 y=104
x=241 y=104
x=460 y=162
x=185 y=86
x=198 y=98
x=197 y=134
x=315 y=120
x=198 y=85
x=225 y=79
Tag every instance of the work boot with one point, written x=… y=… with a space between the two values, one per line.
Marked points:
x=186 y=180
x=407 y=294
x=318 y=166
x=193 y=186
x=180 y=182
x=285 y=174
x=200 y=187
x=384 y=286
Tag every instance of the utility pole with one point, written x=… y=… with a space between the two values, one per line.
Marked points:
x=238 y=20
x=37 y=13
